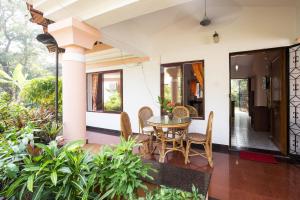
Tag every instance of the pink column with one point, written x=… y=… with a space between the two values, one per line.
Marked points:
x=74 y=94
x=75 y=37
x=173 y=72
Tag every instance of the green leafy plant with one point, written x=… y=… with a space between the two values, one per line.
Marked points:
x=12 y=115
x=58 y=172
x=13 y=149
x=49 y=131
x=126 y=170
x=165 y=193
x=71 y=173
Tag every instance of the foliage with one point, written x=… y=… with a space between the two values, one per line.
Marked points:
x=41 y=92
x=71 y=173
x=17 y=40
x=113 y=103
x=165 y=193
x=166 y=105
x=12 y=115
x=16 y=80
x=124 y=171
x=55 y=173
x=12 y=152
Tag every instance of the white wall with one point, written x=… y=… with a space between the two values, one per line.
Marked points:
x=183 y=40
x=141 y=86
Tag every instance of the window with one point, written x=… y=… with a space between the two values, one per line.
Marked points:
x=104 y=91
x=183 y=84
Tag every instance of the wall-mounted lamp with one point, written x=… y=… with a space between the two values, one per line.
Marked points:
x=216 y=37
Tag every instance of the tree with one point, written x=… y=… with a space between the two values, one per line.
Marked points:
x=18 y=44
x=17 y=80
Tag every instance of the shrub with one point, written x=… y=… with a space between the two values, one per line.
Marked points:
x=41 y=92
x=71 y=173
x=12 y=152
x=12 y=115
x=165 y=193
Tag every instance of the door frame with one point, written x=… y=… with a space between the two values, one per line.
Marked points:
x=285 y=49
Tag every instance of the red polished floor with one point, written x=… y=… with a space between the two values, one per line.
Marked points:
x=233 y=178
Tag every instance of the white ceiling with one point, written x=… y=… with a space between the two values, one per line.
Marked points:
x=129 y=24
x=101 y=13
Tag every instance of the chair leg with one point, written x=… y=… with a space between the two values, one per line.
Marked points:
x=187 y=151
x=208 y=151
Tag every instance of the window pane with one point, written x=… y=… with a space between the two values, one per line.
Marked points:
x=184 y=85
x=112 y=91
x=194 y=88
x=94 y=91
x=172 y=84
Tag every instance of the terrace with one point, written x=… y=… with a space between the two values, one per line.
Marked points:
x=226 y=87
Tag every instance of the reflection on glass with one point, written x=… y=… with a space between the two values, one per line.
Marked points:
x=184 y=85
x=172 y=84
x=112 y=91
x=194 y=88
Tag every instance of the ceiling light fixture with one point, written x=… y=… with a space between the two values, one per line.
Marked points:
x=216 y=37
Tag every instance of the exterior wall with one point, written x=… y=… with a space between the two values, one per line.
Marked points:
x=298 y=20
x=252 y=28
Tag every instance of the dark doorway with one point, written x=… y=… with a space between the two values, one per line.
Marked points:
x=258 y=100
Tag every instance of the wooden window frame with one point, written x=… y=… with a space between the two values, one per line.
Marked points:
x=102 y=94
x=181 y=65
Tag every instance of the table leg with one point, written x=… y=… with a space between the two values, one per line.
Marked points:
x=162 y=152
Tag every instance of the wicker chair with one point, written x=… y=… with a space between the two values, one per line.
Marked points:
x=126 y=132
x=181 y=112
x=144 y=114
x=205 y=140
x=193 y=111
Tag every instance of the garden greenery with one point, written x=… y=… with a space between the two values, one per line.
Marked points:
x=71 y=173
x=33 y=166
x=41 y=92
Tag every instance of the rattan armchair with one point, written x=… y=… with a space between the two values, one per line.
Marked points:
x=144 y=114
x=193 y=111
x=126 y=132
x=205 y=140
x=181 y=112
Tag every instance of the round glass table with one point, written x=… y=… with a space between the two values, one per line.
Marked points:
x=169 y=134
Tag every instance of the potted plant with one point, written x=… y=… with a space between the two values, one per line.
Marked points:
x=167 y=106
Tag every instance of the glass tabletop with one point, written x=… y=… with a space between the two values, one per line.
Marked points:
x=164 y=120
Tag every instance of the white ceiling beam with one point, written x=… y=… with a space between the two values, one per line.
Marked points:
x=139 y=8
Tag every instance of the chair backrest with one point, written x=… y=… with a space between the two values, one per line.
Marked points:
x=181 y=112
x=209 y=127
x=126 y=130
x=144 y=114
x=193 y=111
